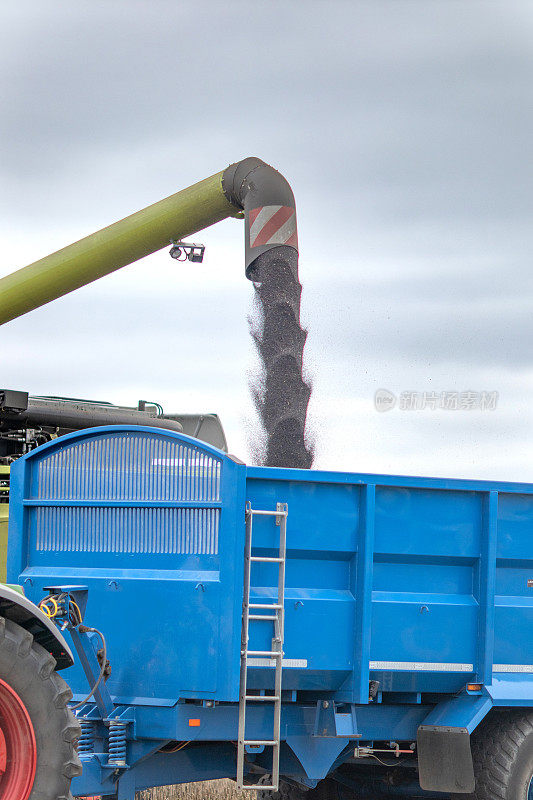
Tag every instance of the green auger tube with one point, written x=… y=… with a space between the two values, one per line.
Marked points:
x=111 y=248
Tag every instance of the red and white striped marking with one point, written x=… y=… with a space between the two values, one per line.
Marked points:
x=273 y=225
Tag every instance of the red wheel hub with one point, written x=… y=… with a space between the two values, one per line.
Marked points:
x=18 y=749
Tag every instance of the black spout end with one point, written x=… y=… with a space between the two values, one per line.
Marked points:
x=268 y=203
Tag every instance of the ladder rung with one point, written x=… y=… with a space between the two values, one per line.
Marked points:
x=273 y=606
x=253 y=512
x=254 y=787
x=260 y=742
x=267 y=617
x=270 y=653
x=267 y=559
x=263 y=698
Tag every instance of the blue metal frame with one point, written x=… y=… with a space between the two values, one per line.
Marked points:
x=423 y=585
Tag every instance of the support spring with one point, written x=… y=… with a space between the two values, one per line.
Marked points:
x=117 y=743
x=86 y=740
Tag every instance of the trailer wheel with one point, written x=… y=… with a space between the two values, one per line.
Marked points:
x=502 y=751
x=38 y=732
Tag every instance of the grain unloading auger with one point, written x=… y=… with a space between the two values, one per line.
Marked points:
x=249 y=188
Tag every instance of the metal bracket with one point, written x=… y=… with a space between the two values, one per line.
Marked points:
x=332 y=723
x=325 y=718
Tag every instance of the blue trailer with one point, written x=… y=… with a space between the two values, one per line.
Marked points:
x=331 y=633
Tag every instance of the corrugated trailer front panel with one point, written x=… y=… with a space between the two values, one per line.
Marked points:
x=150 y=523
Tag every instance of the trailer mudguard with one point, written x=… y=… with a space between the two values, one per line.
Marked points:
x=445 y=760
x=17 y=608
x=443 y=744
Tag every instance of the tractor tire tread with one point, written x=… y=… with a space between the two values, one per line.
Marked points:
x=30 y=669
x=495 y=748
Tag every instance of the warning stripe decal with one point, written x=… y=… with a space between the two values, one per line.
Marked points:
x=270 y=225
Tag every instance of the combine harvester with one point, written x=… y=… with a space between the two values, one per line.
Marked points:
x=311 y=634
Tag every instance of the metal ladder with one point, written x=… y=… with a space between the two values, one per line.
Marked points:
x=276 y=618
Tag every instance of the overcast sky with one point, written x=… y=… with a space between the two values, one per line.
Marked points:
x=405 y=129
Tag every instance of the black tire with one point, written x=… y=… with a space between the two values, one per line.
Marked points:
x=30 y=671
x=502 y=751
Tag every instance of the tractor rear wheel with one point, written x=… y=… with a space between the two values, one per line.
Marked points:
x=38 y=732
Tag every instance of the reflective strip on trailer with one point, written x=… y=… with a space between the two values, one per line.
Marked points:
x=421 y=666
x=512 y=667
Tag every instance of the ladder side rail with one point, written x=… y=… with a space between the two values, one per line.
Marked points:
x=279 y=633
x=244 y=647
x=283 y=508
